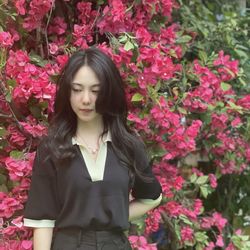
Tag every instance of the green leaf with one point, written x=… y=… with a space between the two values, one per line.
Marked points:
x=193 y=178
x=11 y=82
x=3 y=179
x=128 y=46
x=36 y=111
x=8 y=96
x=204 y=191
x=3 y=132
x=38 y=60
x=123 y=39
x=184 y=39
x=16 y=154
x=234 y=106
x=225 y=86
x=137 y=97
x=185 y=220
x=202 y=180
x=201 y=237
x=3 y=188
x=203 y=56
x=100 y=2
x=220 y=104
x=199 y=247
x=182 y=110
x=241 y=53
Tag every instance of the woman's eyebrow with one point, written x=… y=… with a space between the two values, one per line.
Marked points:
x=81 y=85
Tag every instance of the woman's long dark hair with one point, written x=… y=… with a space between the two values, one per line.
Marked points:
x=111 y=104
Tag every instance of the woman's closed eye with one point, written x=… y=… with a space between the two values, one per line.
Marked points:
x=76 y=90
x=95 y=91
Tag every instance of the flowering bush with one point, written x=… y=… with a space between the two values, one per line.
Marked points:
x=179 y=107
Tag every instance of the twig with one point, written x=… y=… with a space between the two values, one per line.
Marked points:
x=47 y=25
x=12 y=108
x=98 y=10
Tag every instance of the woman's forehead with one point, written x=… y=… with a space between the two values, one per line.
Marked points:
x=85 y=76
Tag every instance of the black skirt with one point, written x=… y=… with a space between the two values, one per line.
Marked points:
x=76 y=239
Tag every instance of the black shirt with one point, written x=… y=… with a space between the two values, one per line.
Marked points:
x=67 y=194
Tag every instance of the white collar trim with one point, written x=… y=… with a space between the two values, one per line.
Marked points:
x=106 y=139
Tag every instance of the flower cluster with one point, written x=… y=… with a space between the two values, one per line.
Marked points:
x=140 y=243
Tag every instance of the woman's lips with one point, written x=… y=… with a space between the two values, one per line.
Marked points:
x=86 y=110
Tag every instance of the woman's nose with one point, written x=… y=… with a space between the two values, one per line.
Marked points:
x=86 y=97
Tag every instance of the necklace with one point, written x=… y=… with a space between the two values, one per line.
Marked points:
x=90 y=149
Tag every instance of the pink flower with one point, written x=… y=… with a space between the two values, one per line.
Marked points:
x=58 y=26
x=26 y=244
x=85 y=12
x=36 y=130
x=219 y=122
x=20 y=5
x=62 y=60
x=219 y=241
x=178 y=182
x=187 y=234
x=140 y=243
x=213 y=180
x=236 y=122
x=53 y=48
x=143 y=36
x=82 y=35
x=16 y=137
x=219 y=221
x=173 y=208
x=38 y=9
x=152 y=221
x=244 y=102
x=194 y=129
x=207 y=222
x=198 y=206
x=210 y=246
x=19 y=168
x=231 y=247
x=6 y=40
x=118 y=10
x=227 y=69
x=8 y=207
x=16 y=62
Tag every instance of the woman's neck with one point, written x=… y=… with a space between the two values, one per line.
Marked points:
x=90 y=129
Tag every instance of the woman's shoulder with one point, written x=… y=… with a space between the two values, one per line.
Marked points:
x=139 y=146
x=43 y=163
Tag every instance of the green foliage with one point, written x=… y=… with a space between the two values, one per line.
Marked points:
x=218 y=26
x=221 y=25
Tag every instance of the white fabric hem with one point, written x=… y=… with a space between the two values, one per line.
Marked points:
x=38 y=223
x=151 y=201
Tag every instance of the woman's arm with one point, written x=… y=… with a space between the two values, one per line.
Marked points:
x=138 y=208
x=42 y=238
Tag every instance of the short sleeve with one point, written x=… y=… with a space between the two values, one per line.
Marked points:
x=42 y=203
x=149 y=188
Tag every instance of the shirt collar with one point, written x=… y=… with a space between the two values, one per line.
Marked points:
x=105 y=139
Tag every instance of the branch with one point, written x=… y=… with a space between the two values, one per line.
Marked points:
x=14 y=111
x=47 y=25
x=171 y=231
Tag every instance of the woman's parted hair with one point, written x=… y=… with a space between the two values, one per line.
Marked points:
x=111 y=104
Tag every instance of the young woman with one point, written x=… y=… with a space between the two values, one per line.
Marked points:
x=86 y=167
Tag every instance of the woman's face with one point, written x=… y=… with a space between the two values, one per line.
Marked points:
x=84 y=91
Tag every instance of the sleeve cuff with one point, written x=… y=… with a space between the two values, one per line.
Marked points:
x=38 y=223
x=151 y=201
